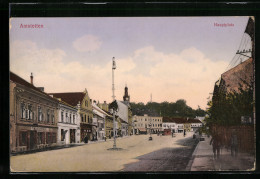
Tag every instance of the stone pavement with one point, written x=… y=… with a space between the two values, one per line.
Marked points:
x=203 y=160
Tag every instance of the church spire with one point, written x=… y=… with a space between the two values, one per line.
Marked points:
x=126 y=97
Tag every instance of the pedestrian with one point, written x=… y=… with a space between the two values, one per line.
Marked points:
x=105 y=138
x=234 y=144
x=215 y=142
x=184 y=133
x=86 y=139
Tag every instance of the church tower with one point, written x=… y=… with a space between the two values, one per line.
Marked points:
x=126 y=97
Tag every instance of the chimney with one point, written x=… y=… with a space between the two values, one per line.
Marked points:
x=31 y=78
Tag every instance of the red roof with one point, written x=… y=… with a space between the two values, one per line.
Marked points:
x=176 y=120
x=194 y=121
x=72 y=98
x=17 y=79
x=180 y=120
x=233 y=76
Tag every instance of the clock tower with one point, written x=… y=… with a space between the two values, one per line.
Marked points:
x=126 y=97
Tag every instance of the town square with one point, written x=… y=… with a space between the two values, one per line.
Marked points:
x=126 y=95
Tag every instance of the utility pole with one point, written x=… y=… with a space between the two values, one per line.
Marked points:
x=113 y=92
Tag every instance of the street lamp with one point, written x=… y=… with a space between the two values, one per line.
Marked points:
x=150 y=125
x=113 y=92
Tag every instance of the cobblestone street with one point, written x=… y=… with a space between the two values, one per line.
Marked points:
x=163 y=153
x=166 y=159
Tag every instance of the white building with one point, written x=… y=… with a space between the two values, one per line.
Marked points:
x=99 y=117
x=68 y=124
x=169 y=124
x=195 y=124
x=123 y=116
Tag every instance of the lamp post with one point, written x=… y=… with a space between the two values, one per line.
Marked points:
x=150 y=125
x=113 y=92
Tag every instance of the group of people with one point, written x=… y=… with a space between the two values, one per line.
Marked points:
x=217 y=144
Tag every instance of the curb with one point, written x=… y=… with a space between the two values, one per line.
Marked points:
x=188 y=167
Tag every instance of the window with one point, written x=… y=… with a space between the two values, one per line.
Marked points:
x=82 y=118
x=52 y=117
x=85 y=118
x=66 y=119
x=53 y=137
x=70 y=119
x=30 y=113
x=41 y=138
x=48 y=137
x=62 y=135
x=22 y=110
x=40 y=116
x=145 y=119
x=23 y=138
x=73 y=119
x=48 y=115
x=62 y=116
x=88 y=120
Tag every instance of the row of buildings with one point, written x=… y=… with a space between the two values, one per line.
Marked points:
x=39 y=119
x=146 y=124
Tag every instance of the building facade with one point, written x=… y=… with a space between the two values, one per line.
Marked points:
x=145 y=124
x=68 y=124
x=169 y=124
x=99 y=119
x=82 y=101
x=33 y=116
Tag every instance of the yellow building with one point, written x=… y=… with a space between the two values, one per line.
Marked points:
x=109 y=126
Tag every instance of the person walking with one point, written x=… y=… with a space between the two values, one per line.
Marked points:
x=86 y=139
x=234 y=144
x=215 y=142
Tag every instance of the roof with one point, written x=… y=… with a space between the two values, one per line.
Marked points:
x=122 y=111
x=98 y=110
x=17 y=79
x=179 y=120
x=233 y=77
x=194 y=121
x=72 y=98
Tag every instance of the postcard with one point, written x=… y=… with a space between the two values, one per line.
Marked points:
x=132 y=94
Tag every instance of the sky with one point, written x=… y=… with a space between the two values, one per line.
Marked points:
x=169 y=57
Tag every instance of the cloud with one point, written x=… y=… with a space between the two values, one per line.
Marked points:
x=87 y=43
x=188 y=75
x=52 y=71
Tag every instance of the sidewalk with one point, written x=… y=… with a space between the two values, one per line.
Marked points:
x=62 y=146
x=203 y=160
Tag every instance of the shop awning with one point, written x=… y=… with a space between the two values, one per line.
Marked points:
x=142 y=129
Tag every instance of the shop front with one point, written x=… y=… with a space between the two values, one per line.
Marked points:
x=85 y=130
x=30 y=138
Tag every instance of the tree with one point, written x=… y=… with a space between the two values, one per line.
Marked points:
x=227 y=108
